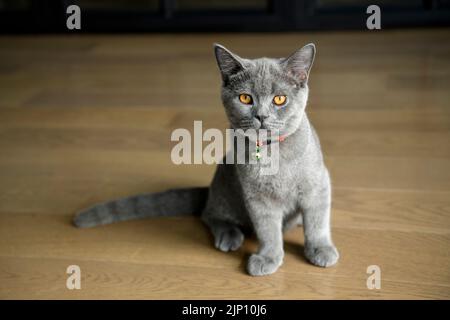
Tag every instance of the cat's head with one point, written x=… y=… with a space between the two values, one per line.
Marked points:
x=265 y=93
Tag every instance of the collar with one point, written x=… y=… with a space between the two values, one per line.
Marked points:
x=260 y=143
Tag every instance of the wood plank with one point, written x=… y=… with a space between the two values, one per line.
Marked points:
x=88 y=118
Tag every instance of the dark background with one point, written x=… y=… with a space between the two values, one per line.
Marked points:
x=45 y=16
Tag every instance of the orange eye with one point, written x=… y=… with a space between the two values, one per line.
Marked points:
x=279 y=100
x=245 y=98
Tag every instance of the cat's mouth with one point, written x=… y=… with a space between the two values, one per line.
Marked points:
x=274 y=125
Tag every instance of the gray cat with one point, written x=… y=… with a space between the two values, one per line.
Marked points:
x=259 y=94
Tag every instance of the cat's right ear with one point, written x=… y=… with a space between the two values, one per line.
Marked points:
x=229 y=63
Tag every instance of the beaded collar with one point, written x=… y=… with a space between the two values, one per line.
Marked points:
x=260 y=143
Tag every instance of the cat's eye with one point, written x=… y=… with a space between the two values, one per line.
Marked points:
x=279 y=100
x=245 y=98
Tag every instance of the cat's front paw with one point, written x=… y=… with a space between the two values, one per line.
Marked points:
x=324 y=256
x=259 y=265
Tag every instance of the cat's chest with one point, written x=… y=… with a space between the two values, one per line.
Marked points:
x=280 y=179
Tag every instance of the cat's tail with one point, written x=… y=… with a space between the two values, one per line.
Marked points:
x=175 y=202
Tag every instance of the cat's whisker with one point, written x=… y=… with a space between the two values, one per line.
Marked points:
x=273 y=125
x=246 y=124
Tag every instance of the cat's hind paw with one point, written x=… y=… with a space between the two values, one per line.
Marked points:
x=229 y=239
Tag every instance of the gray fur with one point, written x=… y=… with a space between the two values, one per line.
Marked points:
x=188 y=201
x=240 y=197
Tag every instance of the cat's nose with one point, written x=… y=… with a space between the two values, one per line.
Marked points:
x=260 y=117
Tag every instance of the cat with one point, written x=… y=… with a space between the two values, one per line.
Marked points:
x=261 y=93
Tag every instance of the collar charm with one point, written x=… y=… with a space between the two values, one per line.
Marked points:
x=257 y=153
x=259 y=143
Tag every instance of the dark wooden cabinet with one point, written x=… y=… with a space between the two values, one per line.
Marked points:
x=217 y=15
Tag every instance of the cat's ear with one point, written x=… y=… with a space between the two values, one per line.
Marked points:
x=229 y=63
x=300 y=62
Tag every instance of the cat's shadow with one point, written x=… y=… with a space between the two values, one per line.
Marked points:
x=197 y=235
x=295 y=249
x=291 y=249
x=204 y=238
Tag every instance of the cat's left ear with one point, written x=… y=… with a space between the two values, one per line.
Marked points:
x=300 y=62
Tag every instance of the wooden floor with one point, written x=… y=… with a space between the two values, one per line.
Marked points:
x=89 y=118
